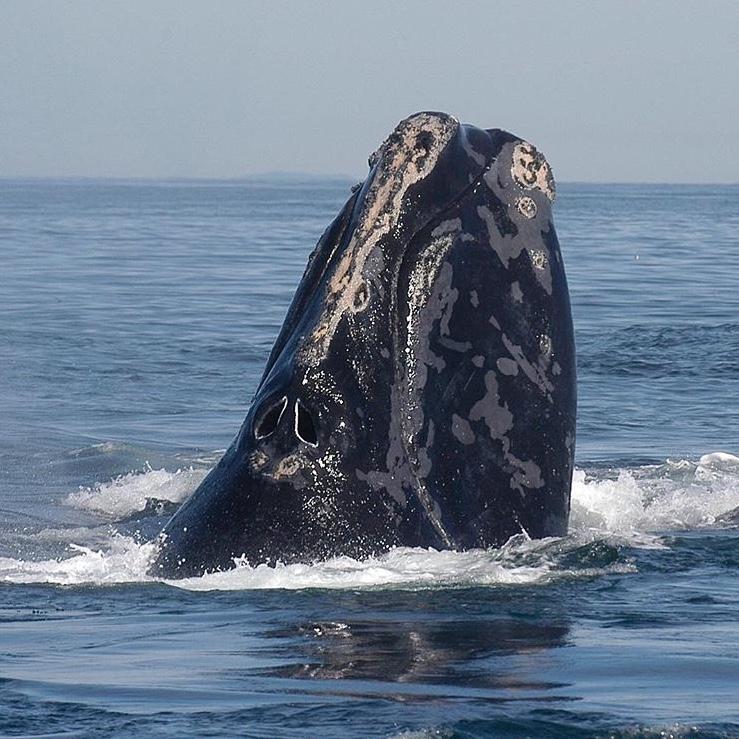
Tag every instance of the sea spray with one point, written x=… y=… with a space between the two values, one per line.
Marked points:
x=613 y=511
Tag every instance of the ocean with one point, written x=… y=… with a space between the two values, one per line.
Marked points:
x=135 y=319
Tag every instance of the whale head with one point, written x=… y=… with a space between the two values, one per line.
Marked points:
x=421 y=389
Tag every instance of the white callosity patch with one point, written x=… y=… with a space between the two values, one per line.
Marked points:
x=538 y=259
x=401 y=162
x=531 y=171
x=526 y=207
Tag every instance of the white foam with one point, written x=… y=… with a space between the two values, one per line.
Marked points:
x=520 y=562
x=720 y=461
x=123 y=560
x=128 y=493
x=617 y=507
x=676 y=495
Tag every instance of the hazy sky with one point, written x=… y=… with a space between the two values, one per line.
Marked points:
x=610 y=91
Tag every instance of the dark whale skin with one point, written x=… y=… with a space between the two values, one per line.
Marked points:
x=422 y=389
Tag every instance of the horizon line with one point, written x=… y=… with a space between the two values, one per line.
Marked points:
x=277 y=174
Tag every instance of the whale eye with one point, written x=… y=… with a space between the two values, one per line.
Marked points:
x=270 y=418
x=305 y=427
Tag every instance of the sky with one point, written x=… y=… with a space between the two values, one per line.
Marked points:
x=609 y=90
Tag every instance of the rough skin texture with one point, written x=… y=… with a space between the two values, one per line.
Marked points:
x=421 y=391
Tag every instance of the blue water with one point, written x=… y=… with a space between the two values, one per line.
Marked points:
x=135 y=319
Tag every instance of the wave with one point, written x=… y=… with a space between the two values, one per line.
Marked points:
x=660 y=351
x=130 y=493
x=520 y=561
x=613 y=511
x=123 y=560
x=675 y=495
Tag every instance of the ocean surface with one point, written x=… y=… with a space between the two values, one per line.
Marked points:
x=135 y=318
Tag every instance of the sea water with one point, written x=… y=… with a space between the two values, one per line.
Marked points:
x=135 y=319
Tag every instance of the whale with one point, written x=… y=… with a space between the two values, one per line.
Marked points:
x=422 y=389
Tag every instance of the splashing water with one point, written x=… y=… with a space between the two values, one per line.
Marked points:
x=674 y=495
x=124 y=560
x=128 y=494
x=611 y=510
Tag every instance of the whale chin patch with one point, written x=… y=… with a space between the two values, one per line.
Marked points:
x=270 y=419
x=305 y=425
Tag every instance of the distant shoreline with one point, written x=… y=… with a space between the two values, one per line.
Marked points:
x=300 y=177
